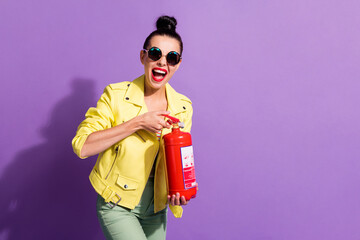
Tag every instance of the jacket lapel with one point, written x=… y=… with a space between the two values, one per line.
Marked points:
x=174 y=101
x=135 y=97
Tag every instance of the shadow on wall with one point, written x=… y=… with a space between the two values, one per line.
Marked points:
x=45 y=191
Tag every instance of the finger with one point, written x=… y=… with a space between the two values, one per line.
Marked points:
x=183 y=200
x=177 y=200
x=154 y=130
x=157 y=127
x=161 y=113
x=160 y=125
x=168 y=125
x=163 y=123
x=173 y=200
x=169 y=199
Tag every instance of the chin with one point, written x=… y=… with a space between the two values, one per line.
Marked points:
x=154 y=84
x=158 y=85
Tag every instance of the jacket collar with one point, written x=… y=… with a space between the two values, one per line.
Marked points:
x=175 y=103
x=135 y=95
x=135 y=92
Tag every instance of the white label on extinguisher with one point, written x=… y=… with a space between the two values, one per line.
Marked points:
x=187 y=158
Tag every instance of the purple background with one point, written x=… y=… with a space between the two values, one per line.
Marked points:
x=275 y=89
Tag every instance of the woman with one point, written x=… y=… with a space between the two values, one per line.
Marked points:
x=125 y=129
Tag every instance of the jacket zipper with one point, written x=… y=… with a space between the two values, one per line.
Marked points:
x=116 y=156
x=154 y=159
x=140 y=136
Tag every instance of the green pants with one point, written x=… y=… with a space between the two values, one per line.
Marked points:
x=140 y=223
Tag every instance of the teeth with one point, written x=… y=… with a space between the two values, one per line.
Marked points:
x=159 y=71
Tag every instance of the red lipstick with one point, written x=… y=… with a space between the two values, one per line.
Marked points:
x=158 y=74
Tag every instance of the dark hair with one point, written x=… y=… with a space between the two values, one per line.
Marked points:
x=165 y=27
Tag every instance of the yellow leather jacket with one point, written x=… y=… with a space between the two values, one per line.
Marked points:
x=121 y=172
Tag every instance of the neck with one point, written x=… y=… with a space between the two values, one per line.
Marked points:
x=154 y=93
x=156 y=100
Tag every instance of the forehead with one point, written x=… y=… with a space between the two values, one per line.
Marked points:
x=165 y=43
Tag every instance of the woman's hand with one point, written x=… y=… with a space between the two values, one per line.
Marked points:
x=176 y=200
x=154 y=121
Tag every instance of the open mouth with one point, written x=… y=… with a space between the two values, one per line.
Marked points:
x=158 y=74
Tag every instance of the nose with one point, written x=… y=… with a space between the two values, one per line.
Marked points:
x=162 y=61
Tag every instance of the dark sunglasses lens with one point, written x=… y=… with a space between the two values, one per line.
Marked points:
x=173 y=58
x=154 y=54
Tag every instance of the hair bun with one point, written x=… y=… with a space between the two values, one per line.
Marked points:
x=166 y=23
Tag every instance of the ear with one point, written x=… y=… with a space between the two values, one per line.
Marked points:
x=142 y=57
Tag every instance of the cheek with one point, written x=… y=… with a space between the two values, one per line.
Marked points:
x=147 y=67
x=171 y=72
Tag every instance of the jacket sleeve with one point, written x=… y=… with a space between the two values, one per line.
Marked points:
x=96 y=119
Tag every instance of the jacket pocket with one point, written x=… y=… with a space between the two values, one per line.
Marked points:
x=127 y=184
x=117 y=150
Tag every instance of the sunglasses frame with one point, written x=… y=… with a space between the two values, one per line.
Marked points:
x=171 y=52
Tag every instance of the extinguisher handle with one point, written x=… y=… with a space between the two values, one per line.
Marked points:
x=173 y=119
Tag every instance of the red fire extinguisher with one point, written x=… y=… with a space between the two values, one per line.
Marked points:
x=180 y=161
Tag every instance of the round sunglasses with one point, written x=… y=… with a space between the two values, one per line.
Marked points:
x=155 y=54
